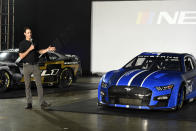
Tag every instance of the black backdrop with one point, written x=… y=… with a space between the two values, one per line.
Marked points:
x=63 y=23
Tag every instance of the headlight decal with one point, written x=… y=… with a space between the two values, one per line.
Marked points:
x=163 y=88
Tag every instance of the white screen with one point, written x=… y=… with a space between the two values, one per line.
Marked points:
x=123 y=29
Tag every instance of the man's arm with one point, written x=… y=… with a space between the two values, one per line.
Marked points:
x=24 y=54
x=43 y=51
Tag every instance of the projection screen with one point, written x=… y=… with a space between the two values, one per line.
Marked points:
x=123 y=29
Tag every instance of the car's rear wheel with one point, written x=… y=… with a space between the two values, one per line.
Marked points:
x=5 y=81
x=66 y=78
x=181 y=98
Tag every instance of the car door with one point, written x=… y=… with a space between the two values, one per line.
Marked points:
x=54 y=65
x=50 y=67
x=43 y=60
x=190 y=76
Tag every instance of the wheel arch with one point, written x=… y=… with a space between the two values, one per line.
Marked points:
x=10 y=76
x=72 y=70
x=175 y=92
x=6 y=70
x=60 y=76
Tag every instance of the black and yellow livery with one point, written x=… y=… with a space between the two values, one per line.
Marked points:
x=56 y=69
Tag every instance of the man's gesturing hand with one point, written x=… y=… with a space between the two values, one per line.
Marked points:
x=51 y=48
x=47 y=49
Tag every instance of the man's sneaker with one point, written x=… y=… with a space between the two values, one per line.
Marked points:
x=28 y=106
x=44 y=105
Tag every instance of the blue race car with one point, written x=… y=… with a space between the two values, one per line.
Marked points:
x=150 y=81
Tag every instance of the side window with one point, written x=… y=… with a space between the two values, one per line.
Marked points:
x=130 y=64
x=194 y=62
x=52 y=57
x=140 y=61
x=189 y=64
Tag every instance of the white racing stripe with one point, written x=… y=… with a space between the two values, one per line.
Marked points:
x=147 y=77
x=125 y=74
x=135 y=76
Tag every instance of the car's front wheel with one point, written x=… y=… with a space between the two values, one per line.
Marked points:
x=66 y=78
x=181 y=98
x=5 y=81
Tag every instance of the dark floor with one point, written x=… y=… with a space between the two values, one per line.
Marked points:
x=13 y=116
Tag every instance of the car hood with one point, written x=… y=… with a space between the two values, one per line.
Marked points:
x=142 y=78
x=7 y=64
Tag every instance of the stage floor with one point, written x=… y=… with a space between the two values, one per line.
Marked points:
x=75 y=109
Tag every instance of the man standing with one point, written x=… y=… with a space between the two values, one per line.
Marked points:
x=29 y=54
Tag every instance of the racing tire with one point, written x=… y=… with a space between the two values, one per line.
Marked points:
x=66 y=78
x=181 y=98
x=5 y=81
x=100 y=106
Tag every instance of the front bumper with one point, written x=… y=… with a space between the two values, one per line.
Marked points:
x=136 y=107
x=135 y=97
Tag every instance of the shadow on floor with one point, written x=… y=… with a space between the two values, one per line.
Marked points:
x=20 y=91
x=90 y=106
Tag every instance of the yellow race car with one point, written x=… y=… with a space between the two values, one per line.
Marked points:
x=56 y=69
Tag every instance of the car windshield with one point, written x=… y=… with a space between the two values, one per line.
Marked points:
x=155 y=63
x=8 y=56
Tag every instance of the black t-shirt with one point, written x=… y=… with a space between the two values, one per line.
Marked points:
x=33 y=55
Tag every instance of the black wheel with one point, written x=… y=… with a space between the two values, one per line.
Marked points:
x=181 y=98
x=5 y=81
x=66 y=78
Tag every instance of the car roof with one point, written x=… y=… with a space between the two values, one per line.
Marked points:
x=164 y=54
x=11 y=50
x=17 y=51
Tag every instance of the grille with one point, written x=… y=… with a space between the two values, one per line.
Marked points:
x=125 y=95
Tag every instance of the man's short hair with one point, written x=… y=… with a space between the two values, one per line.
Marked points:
x=26 y=28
